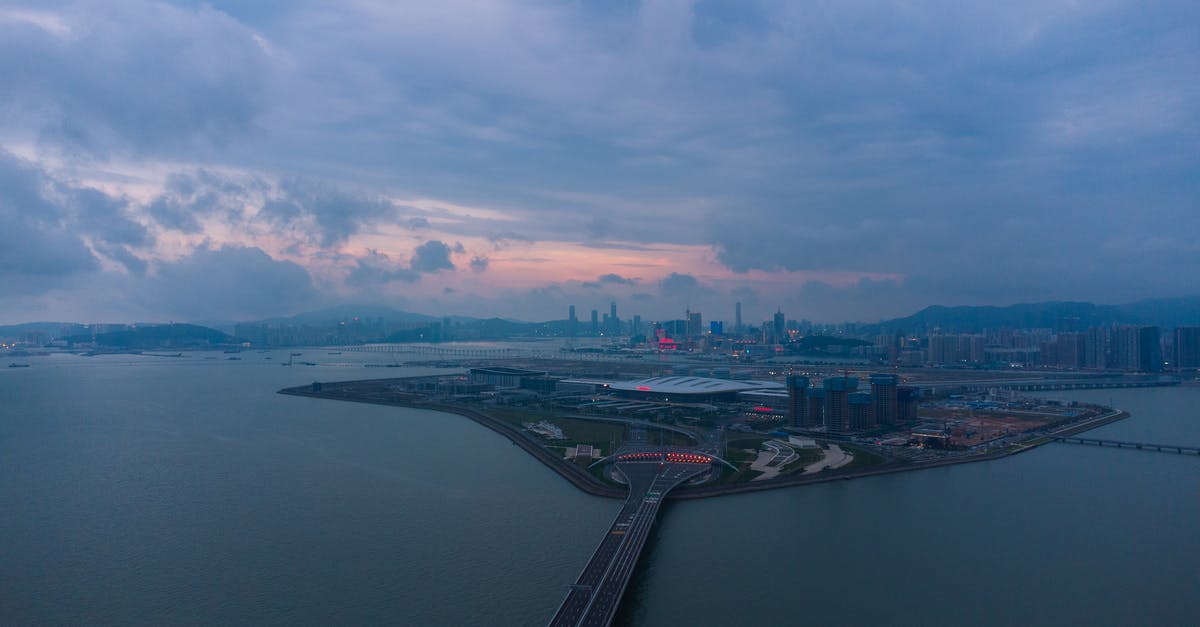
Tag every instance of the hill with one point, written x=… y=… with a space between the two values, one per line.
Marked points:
x=1058 y=315
x=157 y=336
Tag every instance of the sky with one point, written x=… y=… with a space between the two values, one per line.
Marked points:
x=837 y=160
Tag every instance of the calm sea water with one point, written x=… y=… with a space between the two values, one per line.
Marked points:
x=143 y=490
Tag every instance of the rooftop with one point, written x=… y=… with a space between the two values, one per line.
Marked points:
x=693 y=385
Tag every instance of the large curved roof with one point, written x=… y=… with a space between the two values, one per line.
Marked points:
x=692 y=385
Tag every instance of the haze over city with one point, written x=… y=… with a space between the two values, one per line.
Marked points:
x=218 y=160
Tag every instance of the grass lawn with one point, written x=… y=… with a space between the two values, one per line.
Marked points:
x=862 y=458
x=806 y=457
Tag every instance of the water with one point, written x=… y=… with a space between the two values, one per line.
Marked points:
x=1064 y=534
x=142 y=490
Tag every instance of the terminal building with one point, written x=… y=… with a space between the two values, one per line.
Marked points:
x=690 y=389
x=504 y=377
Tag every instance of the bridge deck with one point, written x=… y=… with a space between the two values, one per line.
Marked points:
x=594 y=598
x=1145 y=446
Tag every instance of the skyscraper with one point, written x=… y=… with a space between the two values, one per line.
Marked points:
x=1096 y=348
x=859 y=412
x=837 y=410
x=797 y=387
x=884 y=399
x=694 y=323
x=737 y=317
x=779 y=327
x=595 y=322
x=572 y=322
x=1150 y=358
x=614 y=323
x=1187 y=347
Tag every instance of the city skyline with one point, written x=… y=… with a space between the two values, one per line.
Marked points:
x=192 y=161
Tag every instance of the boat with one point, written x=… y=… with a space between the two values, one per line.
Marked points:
x=16 y=365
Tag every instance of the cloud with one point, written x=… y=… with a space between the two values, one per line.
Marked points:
x=609 y=279
x=55 y=231
x=431 y=256
x=329 y=214
x=377 y=268
x=479 y=264
x=133 y=76
x=676 y=284
x=229 y=282
x=978 y=153
x=189 y=197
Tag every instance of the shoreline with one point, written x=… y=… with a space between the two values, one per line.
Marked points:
x=589 y=484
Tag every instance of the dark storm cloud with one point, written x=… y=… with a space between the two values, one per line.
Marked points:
x=227 y=282
x=479 y=264
x=98 y=77
x=432 y=256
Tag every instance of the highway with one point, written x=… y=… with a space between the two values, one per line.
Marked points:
x=596 y=594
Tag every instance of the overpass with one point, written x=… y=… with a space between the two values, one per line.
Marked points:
x=596 y=594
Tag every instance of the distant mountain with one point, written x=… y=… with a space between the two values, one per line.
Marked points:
x=157 y=336
x=333 y=315
x=49 y=329
x=1165 y=312
x=1059 y=315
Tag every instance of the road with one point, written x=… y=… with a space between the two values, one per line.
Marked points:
x=596 y=594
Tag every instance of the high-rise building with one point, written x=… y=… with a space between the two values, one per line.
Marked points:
x=737 y=317
x=816 y=407
x=907 y=400
x=797 y=387
x=614 y=323
x=779 y=328
x=859 y=413
x=572 y=322
x=694 y=323
x=943 y=349
x=884 y=398
x=595 y=322
x=1096 y=348
x=1150 y=358
x=636 y=327
x=837 y=412
x=1069 y=349
x=1138 y=348
x=1187 y=347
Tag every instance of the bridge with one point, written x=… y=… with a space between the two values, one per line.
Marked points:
x=426 y=349
x=594 y=598
x=1144 y=446
x=1042 y=384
